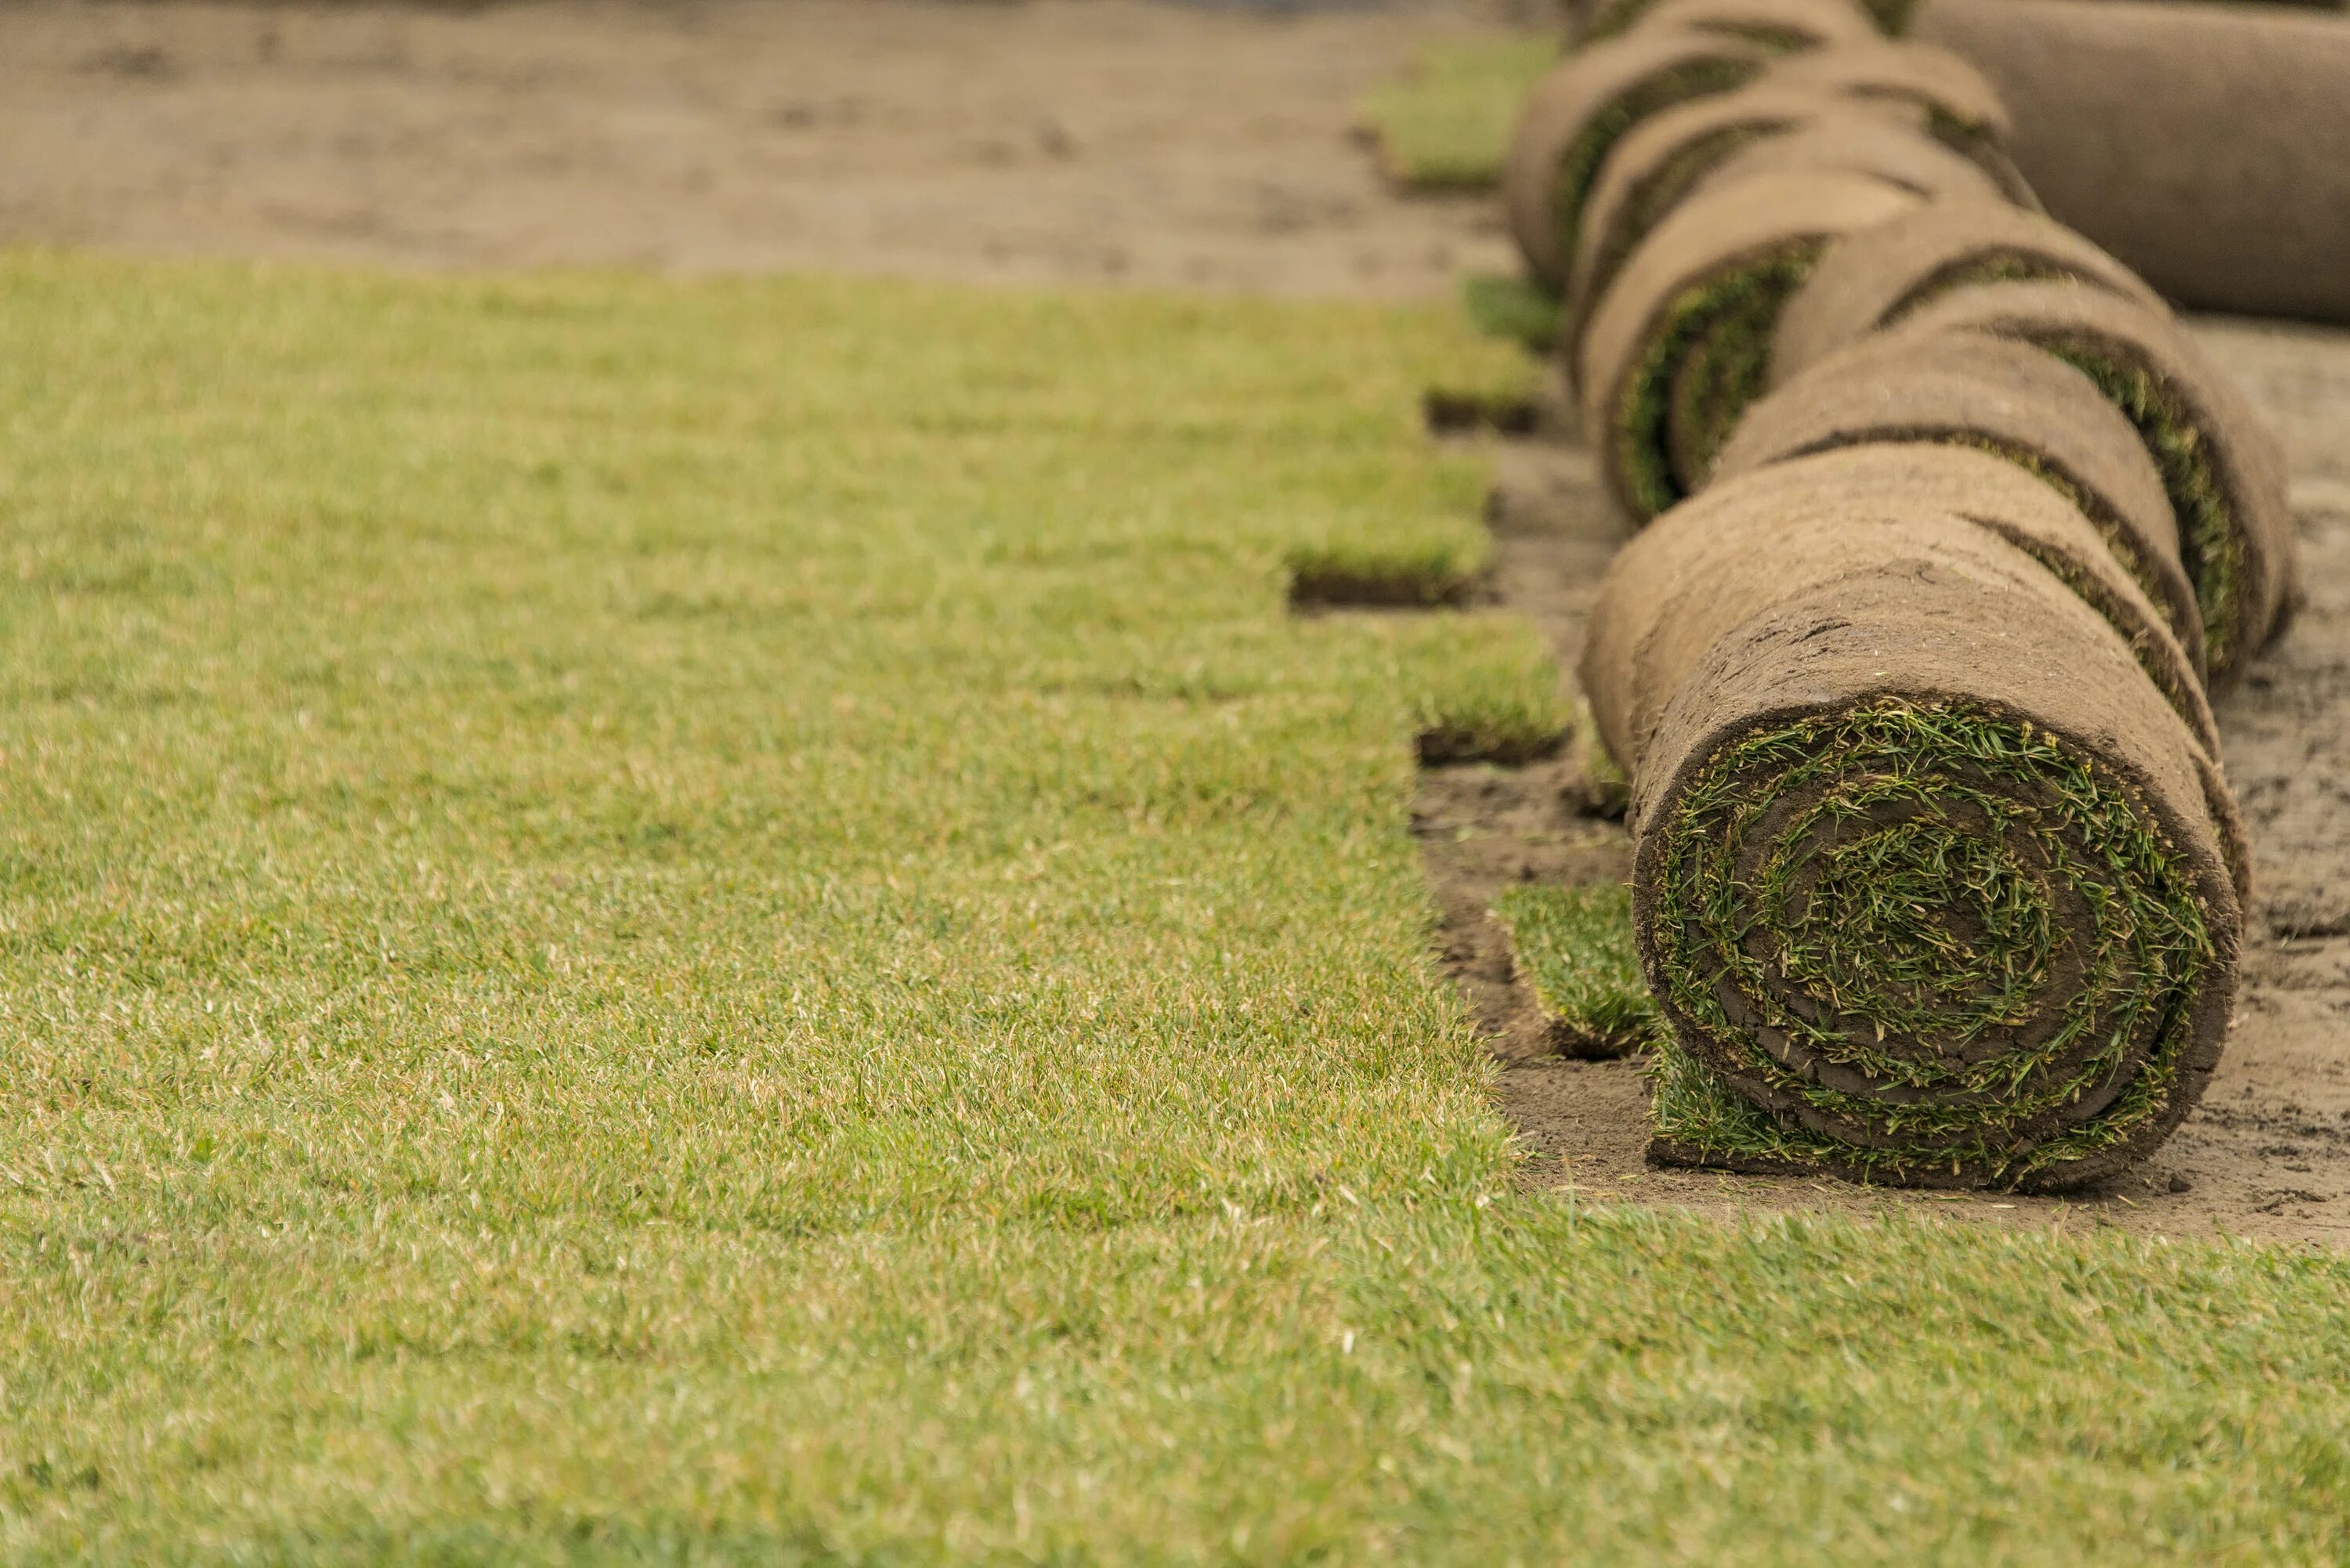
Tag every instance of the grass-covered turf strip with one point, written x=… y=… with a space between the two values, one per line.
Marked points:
x=1445 y=125
x=1515 y=309
x=728 y=922
x=1573 y=946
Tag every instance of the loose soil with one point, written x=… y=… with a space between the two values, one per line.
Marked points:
x=1101 y=141
x=1065 y=141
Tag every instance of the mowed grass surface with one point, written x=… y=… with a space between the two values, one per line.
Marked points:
x=728 y=923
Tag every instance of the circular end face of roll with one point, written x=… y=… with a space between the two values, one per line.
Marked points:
x=1579 y=109
x=1782 y=26
x=1926 y=868
x=1935 y=942
x=1993 y=397
x=2222 y=467
x=1681 y=340
x=1872 y=280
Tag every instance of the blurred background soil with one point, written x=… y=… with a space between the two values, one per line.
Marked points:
x=1097 y=141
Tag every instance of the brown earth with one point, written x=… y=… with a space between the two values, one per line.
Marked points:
x=1093 y=140
x=1108 y=141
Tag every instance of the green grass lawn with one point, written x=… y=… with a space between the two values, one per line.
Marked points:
x=1447 y=124
x=727 y=923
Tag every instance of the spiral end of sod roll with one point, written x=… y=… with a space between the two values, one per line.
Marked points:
x=1931 y=942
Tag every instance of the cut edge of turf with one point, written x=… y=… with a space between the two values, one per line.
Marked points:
x=1573 y=947
x=1517 y=309
x=1444 y=125
x=1361 y=577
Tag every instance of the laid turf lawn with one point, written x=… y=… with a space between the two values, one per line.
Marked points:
x=712 y=923
x=1446 y=123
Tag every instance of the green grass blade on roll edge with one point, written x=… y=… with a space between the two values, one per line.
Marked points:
x=1707 y=360
x=1876 y=948
x=2209 y=548
x=1573 y=946
x=2208 y=545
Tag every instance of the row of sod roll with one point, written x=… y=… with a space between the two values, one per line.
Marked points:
x=2201 y=143
x=1945 y=531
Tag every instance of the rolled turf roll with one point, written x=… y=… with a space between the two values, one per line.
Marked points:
x=1578 y=110
x=1929 y=880
x=1681 y=342
x=1591 y=21
x=1961 y=108
x=1891 y=151
x=2220 y=465
x=2007 y=399
x=1870 y=280
x=1995 y=494
x=1784 y=27
x=1656 y=164
x=2206 y=146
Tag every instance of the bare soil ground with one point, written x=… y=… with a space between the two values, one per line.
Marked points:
x=1094 y=141
x=1108 y=141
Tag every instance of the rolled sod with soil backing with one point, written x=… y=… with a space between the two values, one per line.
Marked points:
x=1930 y=881
x=1579 y=109
x=1879 y=147
x=1870 y=280
x=1960 y=106
x=1783 y=26
x=1681 y=342
x=1657 y=163
x=2220 y=465
x=1593 y=21
x=2206 y=146
x=1990 y=396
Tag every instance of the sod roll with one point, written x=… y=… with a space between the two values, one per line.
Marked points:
x=1578 y=110
x=2206 y=146
x=1961 y=106
x=1993 y=493
x=2220 y=465
x=2007 y=399
x=1881 y=147
x=1784 y=27
x=1591 y=21
x=1681 y=342
x=1655 y=165
x=1929 y=877
x=1870 y=280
